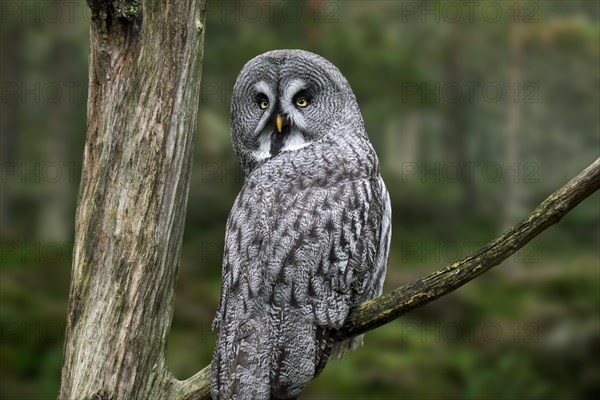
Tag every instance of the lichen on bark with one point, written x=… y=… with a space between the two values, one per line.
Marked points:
x=127 y=9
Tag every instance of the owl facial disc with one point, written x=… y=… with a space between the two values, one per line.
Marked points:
x=284 y=101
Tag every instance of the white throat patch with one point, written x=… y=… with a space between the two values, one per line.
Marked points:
x=293 y=141
x=264 y=147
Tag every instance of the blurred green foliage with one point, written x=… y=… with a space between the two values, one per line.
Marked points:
x=478 y=110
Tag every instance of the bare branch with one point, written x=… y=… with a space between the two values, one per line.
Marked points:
x=374 y=313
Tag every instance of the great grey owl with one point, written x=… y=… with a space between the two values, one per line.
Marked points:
x=308 y=235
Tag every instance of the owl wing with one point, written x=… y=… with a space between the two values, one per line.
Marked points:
x=321 y=247
x=334 y=257
x=377 y=232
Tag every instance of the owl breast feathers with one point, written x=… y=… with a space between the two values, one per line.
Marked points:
x=308 y=235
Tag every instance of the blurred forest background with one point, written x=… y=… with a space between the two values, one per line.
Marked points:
x=478 y=111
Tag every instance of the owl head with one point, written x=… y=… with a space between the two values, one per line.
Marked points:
x=283 y=101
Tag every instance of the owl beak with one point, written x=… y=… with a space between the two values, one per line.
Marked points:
x=279 y=122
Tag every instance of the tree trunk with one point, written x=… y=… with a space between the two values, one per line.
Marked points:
x=144 y=81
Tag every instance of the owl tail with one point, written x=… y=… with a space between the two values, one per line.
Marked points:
x=339 y=349
x=240 y=363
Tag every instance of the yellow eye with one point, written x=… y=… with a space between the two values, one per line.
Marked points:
x=263 y=104
x=302 y=102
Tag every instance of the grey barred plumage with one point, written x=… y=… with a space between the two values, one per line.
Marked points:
x=308 y=235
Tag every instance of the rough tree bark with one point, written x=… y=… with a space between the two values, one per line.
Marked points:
x=144 y=81
x=145 y=62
